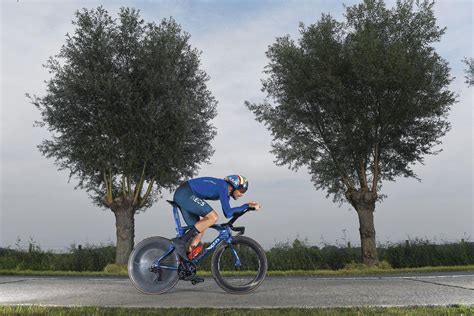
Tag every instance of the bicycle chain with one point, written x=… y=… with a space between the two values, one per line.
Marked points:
x=186 y=270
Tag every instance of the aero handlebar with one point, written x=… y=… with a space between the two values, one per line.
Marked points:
x=236 y=216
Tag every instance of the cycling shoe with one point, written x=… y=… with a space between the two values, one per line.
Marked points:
x=197 y=280
x=180 y=248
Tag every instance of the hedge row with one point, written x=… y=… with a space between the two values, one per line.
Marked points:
x=90 y=258
x=289 y=256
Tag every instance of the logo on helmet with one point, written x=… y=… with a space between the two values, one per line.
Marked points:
x=235 y=181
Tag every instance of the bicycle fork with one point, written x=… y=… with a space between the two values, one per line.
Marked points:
x=237 y=262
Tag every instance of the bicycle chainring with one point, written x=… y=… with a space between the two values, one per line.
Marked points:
x=186 y=270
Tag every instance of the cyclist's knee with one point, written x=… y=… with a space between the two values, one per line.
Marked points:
x=213 y=216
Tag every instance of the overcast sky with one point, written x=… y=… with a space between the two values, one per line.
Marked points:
x=38 y=202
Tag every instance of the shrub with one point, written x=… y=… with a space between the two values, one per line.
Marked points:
x=422 y=253
x=337 y=257
x=360 y=266
x=297 y=255
x=89 y=258
x=116 y=268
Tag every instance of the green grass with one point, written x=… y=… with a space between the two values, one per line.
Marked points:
x=370 y=271
x=416 y=310
x=342 y=272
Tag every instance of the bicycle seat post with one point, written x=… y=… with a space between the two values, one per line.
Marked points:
x=177 y=221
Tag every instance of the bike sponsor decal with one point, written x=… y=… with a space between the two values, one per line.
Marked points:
x=205 y=252
x=214 y=243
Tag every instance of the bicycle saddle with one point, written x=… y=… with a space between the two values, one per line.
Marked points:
x=172 y=203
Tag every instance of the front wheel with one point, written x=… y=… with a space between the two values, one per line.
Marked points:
x=146 y=279
x=239 y=267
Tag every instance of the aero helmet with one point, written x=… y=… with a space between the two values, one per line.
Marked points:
x=238 y=182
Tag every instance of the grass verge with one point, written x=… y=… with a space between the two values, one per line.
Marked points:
x=416 y=310
x=342 y=272
x=370 y=271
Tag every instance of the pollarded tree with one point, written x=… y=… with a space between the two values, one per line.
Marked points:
x=128 y=110
x=358 y=102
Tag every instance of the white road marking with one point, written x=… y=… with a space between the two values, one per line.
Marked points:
x=391 y=277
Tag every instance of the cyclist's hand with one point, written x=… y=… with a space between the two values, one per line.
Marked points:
x=254 y=205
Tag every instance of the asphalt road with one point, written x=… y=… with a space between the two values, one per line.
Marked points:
x=439 y=289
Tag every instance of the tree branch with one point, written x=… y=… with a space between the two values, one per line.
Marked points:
x=123 y=186
x=139 y=186
x=111 y=197
x=148 y=191
x=376 y=168
x=129 y=185
x=106 y=185
x=108 y=189
x=363 y=175
x=325 y=144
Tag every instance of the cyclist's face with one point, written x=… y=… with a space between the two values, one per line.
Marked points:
x=237 y=194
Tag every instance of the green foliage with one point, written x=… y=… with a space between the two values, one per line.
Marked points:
x=337 y=257
x=295 y=256
x=358 y=101
x=469 y=71
x=282 y=257
x=422 y=253
x=127 y=103
x=116 y=268
x=89 y=258
x=384 y=265
x=34 y=259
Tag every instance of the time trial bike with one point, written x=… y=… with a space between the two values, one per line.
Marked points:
x=238 y=264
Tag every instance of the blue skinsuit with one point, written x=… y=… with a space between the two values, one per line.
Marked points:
x=190 y=197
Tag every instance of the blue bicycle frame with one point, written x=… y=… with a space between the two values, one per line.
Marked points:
x=224 y=235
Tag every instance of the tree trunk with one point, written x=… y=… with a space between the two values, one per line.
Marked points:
x=125 y=225
x=367 y=237
x=364 y=204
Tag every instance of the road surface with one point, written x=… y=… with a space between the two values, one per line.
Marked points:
x=403 y=290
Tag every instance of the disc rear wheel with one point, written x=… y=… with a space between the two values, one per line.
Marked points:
x=140 y=272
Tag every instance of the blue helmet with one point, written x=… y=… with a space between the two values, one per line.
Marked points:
x=238 y=182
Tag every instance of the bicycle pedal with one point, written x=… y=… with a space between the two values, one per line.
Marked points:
x=197 y=280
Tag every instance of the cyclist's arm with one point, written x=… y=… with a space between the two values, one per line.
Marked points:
x=230 y=211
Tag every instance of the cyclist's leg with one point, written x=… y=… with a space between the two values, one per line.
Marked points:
x=191 y=220
x=182 y=197
x=204 y=215
x=207 y=221
x=204 y=223
x=189 y=217
x=192 y=208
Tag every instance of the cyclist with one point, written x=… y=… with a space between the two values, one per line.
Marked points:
x=190 y=197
